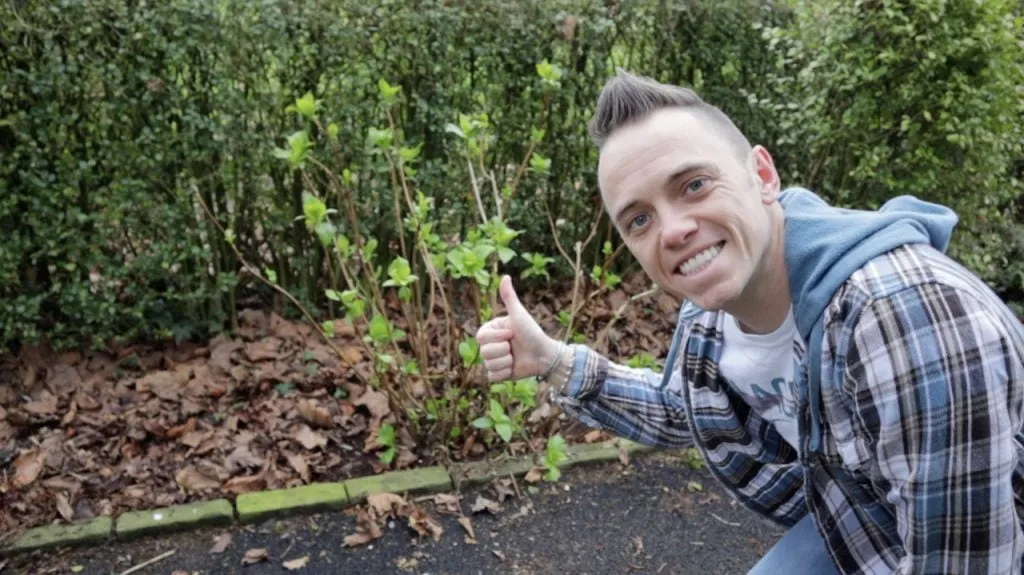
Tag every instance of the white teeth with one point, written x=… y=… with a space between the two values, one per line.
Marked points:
x=697 y=262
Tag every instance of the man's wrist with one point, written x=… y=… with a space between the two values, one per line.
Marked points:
x=560 y=373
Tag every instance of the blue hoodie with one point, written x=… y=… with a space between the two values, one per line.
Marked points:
x=825 y=245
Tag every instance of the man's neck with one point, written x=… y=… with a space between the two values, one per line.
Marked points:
x=767 y=301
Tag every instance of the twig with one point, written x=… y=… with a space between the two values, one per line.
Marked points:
x=515 y=484
x=290 y=545
x=156 y=559
x=476 y=189
x=255 y=272
x=601 y=337
x=555 y=235
x=729 y=523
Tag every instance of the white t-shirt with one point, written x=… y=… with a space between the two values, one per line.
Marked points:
x=761 y=369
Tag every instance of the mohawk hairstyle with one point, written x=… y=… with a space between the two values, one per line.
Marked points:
x=628 y=98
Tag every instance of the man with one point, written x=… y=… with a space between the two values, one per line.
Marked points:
x=840 y=375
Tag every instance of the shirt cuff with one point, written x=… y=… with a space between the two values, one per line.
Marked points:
x=589 y=371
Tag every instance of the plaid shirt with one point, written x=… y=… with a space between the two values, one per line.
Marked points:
x=921 y=465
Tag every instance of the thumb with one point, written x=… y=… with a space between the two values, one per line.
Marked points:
x=509 y=297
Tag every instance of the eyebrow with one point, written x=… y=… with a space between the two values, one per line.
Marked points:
x=676 y=174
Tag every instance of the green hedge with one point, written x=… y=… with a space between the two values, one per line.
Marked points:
x=923 y=98
x=115 y=115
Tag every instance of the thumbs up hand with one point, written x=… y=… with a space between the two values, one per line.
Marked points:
x=514 y=346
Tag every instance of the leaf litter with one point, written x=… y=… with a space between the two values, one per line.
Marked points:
x=380 y=507
x=106 y=431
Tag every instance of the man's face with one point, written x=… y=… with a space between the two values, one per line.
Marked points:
x=691 y=207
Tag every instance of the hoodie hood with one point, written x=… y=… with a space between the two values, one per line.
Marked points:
x=825 y=245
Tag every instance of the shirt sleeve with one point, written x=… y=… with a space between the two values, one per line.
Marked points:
x=935 y=381
x=629 y=402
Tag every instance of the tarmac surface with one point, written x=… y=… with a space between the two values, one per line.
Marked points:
x=656 y=515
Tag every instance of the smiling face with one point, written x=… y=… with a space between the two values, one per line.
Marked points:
x=696 y=210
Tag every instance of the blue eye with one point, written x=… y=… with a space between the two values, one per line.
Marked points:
x=638 y=221
x=696 y=185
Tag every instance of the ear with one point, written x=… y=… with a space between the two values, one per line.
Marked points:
x=768 y=182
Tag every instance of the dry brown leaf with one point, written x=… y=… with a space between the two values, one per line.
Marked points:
x=357 y=539
x=534 y=475
x=283 y=328
x=28 y=467
x=163 y=384
x=194 y=438
x=222 y=349
x=449 y=501
x=405 y=458
x=220 y=543
x=295 y=564
x=366 y=530
x=484 y=504
x=308 y=438
x=46 y=407
x=71 y=414
x=245 y=484
x=63 y=379
x=298 y=463
x=424 y=524
x=242 y=458
x=64 y=507
x=86 y=402
x=313 y=413
x=343 y=328
x=504 y=489
x=384 y=504
x=468 y=526
x=376 y=402
x=352 y=354
x=254 y=556
x=263 y=350
x=616 y=299
x=192 y=479
x=63 y=483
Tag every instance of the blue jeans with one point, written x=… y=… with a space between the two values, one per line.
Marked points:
x=801 y=551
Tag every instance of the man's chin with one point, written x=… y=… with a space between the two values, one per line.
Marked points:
x=715 y=299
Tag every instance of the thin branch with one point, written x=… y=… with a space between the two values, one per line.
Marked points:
x=152 y=561
x=601 y=337
x=259 y=275
x=476 y=190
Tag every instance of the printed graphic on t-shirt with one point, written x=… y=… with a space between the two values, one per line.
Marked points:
x=761 y=369
x=775 y=401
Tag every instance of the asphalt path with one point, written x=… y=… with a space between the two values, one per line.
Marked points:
x=655 y=515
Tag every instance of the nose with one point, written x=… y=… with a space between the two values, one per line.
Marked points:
x=677 y=231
